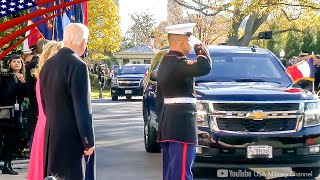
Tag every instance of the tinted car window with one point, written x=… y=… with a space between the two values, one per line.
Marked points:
x=233 y=66
x=133 y=69
x=156 y=66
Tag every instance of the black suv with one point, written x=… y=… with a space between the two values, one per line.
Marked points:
x=129 y=81
x=250 y=113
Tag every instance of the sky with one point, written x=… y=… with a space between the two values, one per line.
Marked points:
x=156 y=7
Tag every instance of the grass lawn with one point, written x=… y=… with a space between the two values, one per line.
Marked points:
x=95 y=94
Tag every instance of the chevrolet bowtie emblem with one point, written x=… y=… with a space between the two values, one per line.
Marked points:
x=257 y=115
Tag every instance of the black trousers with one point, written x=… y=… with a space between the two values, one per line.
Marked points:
x=32 y=121
x=9 y=136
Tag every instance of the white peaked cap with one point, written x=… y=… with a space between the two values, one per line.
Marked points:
x=27 y=51
x=182 y=29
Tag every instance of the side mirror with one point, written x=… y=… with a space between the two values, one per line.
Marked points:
x=304 y=84
x=153 y=76
x=296 y=86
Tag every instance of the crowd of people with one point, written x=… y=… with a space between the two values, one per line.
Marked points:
x=55 y=81
x=305 y=56
x=296 y=59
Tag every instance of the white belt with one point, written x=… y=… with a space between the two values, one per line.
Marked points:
x=179 y=100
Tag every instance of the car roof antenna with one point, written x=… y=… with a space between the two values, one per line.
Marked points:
x=253 y=48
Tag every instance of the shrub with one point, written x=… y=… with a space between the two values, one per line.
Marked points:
x=95 y=82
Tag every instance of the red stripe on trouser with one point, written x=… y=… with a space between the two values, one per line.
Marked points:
x=184 y=161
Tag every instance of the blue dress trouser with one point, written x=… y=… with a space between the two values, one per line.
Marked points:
x=177 y=160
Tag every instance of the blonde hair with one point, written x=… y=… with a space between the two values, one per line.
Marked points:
x=50 y=49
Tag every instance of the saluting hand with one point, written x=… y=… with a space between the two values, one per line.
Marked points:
x=89 y=151
x=200 y=49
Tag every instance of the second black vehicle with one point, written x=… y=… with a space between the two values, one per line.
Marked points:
x=129 y=81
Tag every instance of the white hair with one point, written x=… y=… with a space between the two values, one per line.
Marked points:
x=77 y=37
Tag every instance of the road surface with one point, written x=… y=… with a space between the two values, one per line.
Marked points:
x=120 y=148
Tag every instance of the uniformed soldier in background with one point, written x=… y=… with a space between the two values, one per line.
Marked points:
x=176 y=101
x=31 y=89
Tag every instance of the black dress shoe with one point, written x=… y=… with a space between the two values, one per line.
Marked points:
x=7 y=169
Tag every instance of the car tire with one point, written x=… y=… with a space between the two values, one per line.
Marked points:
x=128 y=97
x=114 y=98
x=315 y=171
x=150 y=137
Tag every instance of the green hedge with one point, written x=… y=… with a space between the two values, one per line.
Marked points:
x=95 y=82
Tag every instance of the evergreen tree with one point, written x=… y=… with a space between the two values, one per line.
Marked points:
x=317 y=44
x=293 y=47
x=271 y=45
x=13 y=29
x=308 y=41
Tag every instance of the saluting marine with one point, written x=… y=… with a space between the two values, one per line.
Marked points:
x=176 y=101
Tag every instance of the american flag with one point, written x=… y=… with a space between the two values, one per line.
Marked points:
x=8 y=7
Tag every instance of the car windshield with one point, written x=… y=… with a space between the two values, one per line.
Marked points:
x=244 y=67
x=141 y=69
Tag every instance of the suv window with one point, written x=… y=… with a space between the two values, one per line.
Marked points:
x=133 y=69
x=234 y=66
x=158 y=59
x=156 y=66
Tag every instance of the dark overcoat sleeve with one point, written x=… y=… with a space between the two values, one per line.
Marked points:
x=31 y=81
x=82 y=104
x=190 y=68
x=0 y=82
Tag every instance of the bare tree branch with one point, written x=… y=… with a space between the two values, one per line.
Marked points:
x=201 y=4
x=287 y=16
x=189 y=6
x=259 y=22
x=316 y=7
x=265 y=8
x=203 y=8
x=286 y=30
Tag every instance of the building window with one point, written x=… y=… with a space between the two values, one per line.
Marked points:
x=147 y=61
x=125 y=61
x=136 y=62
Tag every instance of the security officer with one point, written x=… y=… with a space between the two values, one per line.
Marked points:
x=176 y=101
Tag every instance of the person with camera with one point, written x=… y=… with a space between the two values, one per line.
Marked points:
x=12 y=92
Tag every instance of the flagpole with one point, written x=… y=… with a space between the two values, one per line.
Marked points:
x=54 y=21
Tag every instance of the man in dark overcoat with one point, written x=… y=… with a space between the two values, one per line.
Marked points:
x=176 y=99
x=65 y=91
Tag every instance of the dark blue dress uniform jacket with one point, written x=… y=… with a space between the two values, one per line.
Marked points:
x=177 y=122
x=65 y=91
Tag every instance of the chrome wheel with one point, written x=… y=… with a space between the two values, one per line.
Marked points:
x=146 y=129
